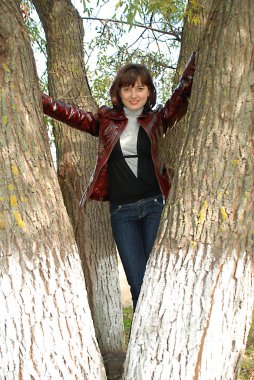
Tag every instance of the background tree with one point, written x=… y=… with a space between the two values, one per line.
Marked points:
x=46 y=329
x=199 y=285
x=76 y=155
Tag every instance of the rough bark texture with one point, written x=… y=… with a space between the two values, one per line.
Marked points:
x=192 y=32
x=76 y=153
x=46 y=329
x=176 y=137
x=194 y=313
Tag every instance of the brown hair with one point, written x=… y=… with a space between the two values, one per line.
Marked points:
x=128 y=76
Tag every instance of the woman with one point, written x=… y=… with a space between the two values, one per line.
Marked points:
x=128 y=172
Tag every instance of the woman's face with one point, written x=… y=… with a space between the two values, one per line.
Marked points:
x=134 y=97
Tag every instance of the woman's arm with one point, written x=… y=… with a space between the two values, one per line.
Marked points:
x=176 y=107
x=72 y=116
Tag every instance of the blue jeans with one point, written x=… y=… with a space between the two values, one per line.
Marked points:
x=135 y=226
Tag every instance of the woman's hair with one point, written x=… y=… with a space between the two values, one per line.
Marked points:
x=128 y=76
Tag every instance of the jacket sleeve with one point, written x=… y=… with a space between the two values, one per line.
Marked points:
x=176 y=107
x=70 y=115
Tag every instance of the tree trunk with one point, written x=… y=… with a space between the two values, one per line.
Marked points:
x=46 y=329
x=176 y=137
x=194 y=312
x=76 y=154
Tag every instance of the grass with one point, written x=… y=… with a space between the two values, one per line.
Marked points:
x=247 y=368
x=127 y=319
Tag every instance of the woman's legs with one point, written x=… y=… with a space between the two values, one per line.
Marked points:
x=135 y=227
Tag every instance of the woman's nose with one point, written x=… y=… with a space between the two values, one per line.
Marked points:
x=133 y=92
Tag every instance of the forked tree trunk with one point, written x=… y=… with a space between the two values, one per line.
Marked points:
x=76 y=154
x=194 y=312
x=46 y=329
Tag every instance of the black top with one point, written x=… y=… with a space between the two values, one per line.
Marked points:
x=124 y=186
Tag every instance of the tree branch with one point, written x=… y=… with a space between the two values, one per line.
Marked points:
x=177 y=35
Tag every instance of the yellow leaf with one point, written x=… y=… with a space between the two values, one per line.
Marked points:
x=15 y=170
x=6 y=68
x=223 y=213
x=4 y=119
x=19 y=220
x=13 y=201
x=2 y=222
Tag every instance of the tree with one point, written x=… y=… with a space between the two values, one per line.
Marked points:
x=199 y=284
x=76 y=155
x=46 y=329
x=175 y=138
x=200 y=276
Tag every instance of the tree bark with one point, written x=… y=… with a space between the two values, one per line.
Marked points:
x=76 y=155
x=176 y=137
x=194 y=312
x=46 y=329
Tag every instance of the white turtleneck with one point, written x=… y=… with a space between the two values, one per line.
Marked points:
x=129 y=138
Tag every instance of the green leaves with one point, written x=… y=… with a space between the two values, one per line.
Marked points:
x=36 y=32
x=193 y=12
x=143 y=31
x=168 y=12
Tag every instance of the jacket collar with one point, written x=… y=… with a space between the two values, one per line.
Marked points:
x=117 y=113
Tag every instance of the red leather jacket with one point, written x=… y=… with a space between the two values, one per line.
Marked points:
x=109 y=123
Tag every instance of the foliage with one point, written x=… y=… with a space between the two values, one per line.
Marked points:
x=147 y=32
x=127 y=321
x=171 y=12
x=34 y=27
x=247 y=369
x=37 y=37
x=193 y=12
x=107 y=66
